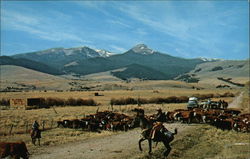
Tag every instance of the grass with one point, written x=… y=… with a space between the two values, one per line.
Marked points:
x=206 y=142
x=108 y=95
x=245 y=104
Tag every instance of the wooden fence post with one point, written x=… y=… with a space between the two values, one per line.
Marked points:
x=54 y=109
x=27 y=126
x=111 y=105
x=51 y=124
x=43 y=124
x=11 y=128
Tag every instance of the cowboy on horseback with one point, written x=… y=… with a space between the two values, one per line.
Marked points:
x=159 y=133
x=35 y=132
x=35 y=126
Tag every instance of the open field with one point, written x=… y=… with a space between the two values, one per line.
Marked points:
x=105 y=97
x=21 y=120
x=18 y=121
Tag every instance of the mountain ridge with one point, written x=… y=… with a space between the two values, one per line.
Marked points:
x=85 y=60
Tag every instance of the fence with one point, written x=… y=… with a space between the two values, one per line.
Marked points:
x=25 y=128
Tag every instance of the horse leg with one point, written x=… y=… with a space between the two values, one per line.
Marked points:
x=150 y=146
x=33 y=141
x=142 y=139
x=156 y=144
x=16 y=157
x=166 y=144
x=38 y=141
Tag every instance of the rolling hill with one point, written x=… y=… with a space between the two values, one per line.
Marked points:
x=211 y=72
x=30 y=64
x=139 y=71
x=23 y=78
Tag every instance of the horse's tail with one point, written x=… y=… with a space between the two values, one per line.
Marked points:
x=175 y=131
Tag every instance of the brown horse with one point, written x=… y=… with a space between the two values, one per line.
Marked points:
x=162 y=135
x=35 y=134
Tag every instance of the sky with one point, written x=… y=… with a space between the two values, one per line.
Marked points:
x=188 y=29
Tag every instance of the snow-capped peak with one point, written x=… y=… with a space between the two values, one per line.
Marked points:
x=210 y=59
x=82 y=51
x=142 y=49
x=104 y=53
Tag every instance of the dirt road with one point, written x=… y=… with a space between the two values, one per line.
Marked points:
x=123 y=145
x=236 y=103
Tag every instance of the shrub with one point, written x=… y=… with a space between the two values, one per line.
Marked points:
x=54 y=102
x=5 y=102
x=217 y=68
x=80 y=102
x=228 y=94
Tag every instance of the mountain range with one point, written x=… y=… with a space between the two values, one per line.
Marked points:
x=139 y=62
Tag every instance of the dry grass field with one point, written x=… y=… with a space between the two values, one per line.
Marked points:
x=19 y=121
x=206 y=142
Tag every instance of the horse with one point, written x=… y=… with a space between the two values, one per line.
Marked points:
x=162 y=135
x=35 y=134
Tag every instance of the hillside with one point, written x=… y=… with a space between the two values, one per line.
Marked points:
x=27 y=79
x=139 y=71
x=37 y=66
x=236 y=71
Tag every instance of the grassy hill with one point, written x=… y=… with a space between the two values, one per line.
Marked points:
x=20 y=77
x=139 y=71
x=37 y=66
x=237 y=71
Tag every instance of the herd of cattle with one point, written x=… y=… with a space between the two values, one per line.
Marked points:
x=106 y=120
x=226 y=119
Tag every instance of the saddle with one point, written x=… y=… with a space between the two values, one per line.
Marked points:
x=157 y=127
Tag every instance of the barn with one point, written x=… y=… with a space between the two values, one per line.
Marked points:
x=24 y=103
x=18 y=103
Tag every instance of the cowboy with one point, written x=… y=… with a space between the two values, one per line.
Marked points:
x=160 y=116
x=35 y=126
x=35 y=132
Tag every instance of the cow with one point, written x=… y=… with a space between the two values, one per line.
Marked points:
x=16 y=150
x=198 y=115
x=225 y=124
x=170 y=116
x=232 y=111
x=185 y=116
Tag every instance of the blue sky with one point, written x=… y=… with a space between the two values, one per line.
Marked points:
x=186 y=29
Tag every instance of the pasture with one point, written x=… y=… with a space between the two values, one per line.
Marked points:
x=15 y=123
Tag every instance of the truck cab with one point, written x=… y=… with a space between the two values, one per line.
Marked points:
x=192 y=103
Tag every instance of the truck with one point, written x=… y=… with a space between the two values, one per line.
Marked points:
x=192 y=103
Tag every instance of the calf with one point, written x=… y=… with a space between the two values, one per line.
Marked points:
x=13 y=149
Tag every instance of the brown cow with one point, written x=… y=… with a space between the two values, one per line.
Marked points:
x=185 y=116
x=14 y=149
